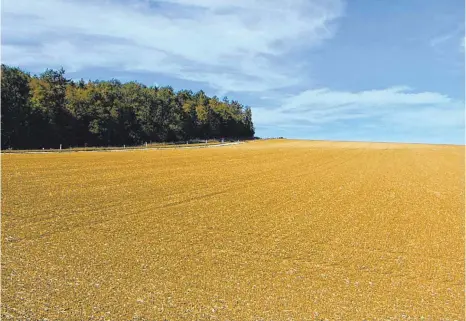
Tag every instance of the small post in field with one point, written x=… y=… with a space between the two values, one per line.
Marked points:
x=146 y=144
x=60 y=146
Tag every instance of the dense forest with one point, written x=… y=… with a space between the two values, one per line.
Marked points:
x=47 y=110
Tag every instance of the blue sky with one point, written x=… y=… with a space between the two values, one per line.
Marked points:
x=315 y=69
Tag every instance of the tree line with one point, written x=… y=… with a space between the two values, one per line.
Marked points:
x=47 y=110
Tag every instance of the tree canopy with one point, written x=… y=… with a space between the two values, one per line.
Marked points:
x=47 y=110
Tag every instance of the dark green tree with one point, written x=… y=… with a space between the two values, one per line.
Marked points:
x=15 y=107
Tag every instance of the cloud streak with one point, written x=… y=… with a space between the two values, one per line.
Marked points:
x=400 y=108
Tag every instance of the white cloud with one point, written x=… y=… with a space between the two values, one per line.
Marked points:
x=232 y=45
x=322 y=98
x=399 y=107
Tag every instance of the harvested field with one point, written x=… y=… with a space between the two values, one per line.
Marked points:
x=266 y=230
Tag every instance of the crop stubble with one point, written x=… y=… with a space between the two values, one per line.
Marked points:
x=268 y=230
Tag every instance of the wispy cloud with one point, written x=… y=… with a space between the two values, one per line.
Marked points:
x=232 y=45
x=448 y=41
x=396 y=107
x=441 y=39
x=323 y=98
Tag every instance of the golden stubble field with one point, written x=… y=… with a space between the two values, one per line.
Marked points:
x=267 y=230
